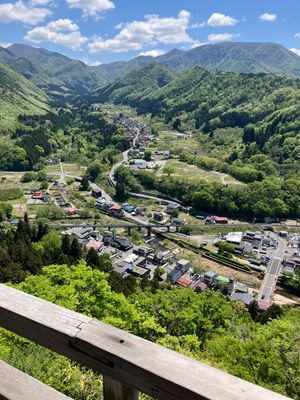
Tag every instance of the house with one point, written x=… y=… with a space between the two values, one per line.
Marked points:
x=116 y=210
x=94 y=244
x=96 y=192
x=234 y=238
x=138 y=271
x=184 y=282
x=143 y=251
x=157 y=216
x=177 y=221
x=174 y=275
x=121 y=244
x=243 y=298
x=101 y=203
x=83 y=234
x=128 y=208
x=183 y=265
x=171 y=207
x=208 y=277
x=209 y=220
x=240 y=288
x=162 y=257
x=249 y=236
x=140 y=211
x=221 y=220
x=70 y=211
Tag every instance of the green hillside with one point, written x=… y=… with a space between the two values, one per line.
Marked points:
x=135 y=85
x=270 y=58
x=244 y=57
x=267 y=106
x=55 y=73
x=18 y=96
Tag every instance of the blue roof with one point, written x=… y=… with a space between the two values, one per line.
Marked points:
x=128 y=208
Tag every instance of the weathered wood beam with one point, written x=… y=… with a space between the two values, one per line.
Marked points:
x=114 y=390
x=119 y=355
x=16 y=385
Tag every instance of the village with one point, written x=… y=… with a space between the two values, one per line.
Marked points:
x=254 y=250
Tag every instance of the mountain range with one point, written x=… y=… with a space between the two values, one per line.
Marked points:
x=18 y=96
x=59 y=75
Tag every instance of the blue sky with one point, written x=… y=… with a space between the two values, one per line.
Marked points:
x=98 y=31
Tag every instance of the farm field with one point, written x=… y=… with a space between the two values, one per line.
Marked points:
x=194 y=173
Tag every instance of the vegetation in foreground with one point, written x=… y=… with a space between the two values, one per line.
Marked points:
x=261 y=348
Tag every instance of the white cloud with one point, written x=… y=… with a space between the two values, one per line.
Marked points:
x=11 y=12
x=266 y=17
x=152 y=30
x=62 y=25
x=94 y=63
x=296 y=51
x=40 y=2
x=153 y=53
x=63 y=31
x=218 y=19
x=297 y=36
x=197 y=43
x=5 y=44
x=91 y=8
x=222 y=37
x=91 y=63
x=197 y=25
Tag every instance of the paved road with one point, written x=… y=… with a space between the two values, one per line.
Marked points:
x=268 y=285
x=62 y=173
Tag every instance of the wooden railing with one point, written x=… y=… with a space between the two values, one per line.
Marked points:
x=128 y=363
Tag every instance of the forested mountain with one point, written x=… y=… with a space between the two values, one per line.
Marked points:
x=214 y=100
x=18 y=96
x=269 y=58
x=135 y=85
x=53 y=72
x=59 y=75
x=236 y=57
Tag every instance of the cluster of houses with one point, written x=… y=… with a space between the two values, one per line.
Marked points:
x=114 y=210
x=134 y=128
x=253 y=245
x=141 y=261
x=36 y=196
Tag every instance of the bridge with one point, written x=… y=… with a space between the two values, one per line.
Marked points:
x=129 y=364
x=127 y=227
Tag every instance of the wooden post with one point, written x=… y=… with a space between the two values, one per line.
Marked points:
x=114 y=390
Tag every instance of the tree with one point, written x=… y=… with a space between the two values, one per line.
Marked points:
x=168 y=170
x=44 y=185
x=225 y=249
x=93 y=259
x=249 y=134
x=76 y=250
x=66 y=245
x=147 y=155
x=94 y=170
x=52 y=247
x=84 y=185
x=105 y=263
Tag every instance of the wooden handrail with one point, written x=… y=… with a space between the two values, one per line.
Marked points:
x=16 y=385
x=129 y=363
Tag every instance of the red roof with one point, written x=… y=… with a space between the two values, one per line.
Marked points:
x=221 y=219
x=116 y=208
x=184 y=282
x=71 y=210
x=93 y=244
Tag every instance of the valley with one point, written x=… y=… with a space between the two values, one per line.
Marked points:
x=160 y=196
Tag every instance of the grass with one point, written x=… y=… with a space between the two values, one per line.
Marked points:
x=11 y=193
x=194 y=173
